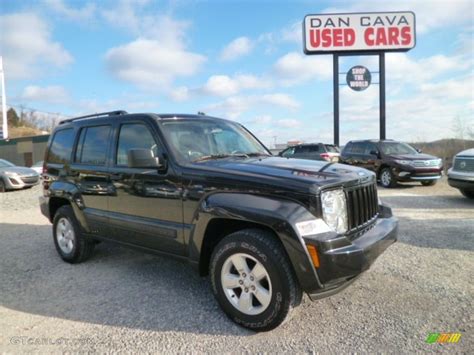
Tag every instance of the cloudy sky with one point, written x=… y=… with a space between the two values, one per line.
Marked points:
x=241 y=60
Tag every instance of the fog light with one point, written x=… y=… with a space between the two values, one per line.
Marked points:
x=314 y=255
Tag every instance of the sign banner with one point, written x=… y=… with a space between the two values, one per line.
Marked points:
x=358 y=78
x=359 y=32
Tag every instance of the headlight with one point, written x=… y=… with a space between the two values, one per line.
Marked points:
x=403 y=162
x=11 y=173
x=335 y=210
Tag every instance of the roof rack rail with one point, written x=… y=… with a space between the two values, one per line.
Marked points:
x=99 y=114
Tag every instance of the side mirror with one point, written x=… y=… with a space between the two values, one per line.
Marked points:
x=280 y=154
x=374 y=152
x=418 y=150
x=142 y=158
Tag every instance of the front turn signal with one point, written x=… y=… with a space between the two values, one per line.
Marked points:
x=314 y=255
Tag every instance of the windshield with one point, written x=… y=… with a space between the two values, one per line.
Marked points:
x=193 y=140
x=397 y=148
x=5 y=163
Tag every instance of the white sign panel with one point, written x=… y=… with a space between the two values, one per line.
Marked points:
x=359 y=32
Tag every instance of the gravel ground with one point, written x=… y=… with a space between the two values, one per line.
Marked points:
x=126 y=301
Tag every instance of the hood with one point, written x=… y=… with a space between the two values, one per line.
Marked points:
x=467 y=152
x=20 y=170
x=419 y=156
x=288 y=173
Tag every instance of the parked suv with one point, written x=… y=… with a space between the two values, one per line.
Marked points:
x=393 y=161
x=312 y=151
x=461 y=175
x=205 y=190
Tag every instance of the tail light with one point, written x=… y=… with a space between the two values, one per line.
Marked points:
x=325 y=156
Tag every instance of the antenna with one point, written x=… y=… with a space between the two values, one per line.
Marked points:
x=4 y=126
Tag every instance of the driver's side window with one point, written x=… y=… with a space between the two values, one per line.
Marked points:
x=289 y=152
x=134 y=136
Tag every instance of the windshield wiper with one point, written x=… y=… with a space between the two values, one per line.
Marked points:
x=258 y=154
x=220 y=156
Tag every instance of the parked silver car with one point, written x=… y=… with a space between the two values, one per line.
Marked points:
x=461 y=175
x=14 y=177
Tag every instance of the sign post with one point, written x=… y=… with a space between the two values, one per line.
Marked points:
x=4 y=127
x=349 y=34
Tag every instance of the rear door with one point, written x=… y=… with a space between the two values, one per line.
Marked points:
x=146 y=208
x=91 y=175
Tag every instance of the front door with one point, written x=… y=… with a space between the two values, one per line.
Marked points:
x=145 y=208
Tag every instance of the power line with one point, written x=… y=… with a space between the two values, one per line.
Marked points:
x=23 y=107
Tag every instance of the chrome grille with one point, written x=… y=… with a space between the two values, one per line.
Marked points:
x=464 y=164
x=362 y=205
x=425 y=163
x=29 y=179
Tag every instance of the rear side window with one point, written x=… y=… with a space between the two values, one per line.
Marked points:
x=358 y=148
x=61 y=146
x=313 y=148
x=134 y=136
x=92 y=147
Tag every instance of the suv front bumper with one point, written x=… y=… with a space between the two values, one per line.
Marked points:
x=461 y=180
x=342 y=260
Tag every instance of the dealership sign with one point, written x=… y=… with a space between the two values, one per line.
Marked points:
x=359 y=32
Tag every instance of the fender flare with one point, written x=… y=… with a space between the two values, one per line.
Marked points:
x=69 y=192
x=277 y=214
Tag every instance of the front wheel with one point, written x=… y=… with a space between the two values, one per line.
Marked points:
x=428 y=183
x=71 y=245
x=387 y=179
x=468 y=193
x=253 y=281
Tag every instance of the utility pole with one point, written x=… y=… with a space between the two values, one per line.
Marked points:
x=4 y=127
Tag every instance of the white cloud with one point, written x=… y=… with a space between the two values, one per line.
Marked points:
x=27 y=47
x=295 y=68
x=156 y=66
x=70 y=13
x=53 y=94
x=239 y=47
x=262 y=120
x=223 y=85
x=234 y=106
x=288 y=123
x=158 y=55
x=430 y=15
x=179 y=94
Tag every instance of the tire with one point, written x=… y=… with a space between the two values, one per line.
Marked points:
x=428 y=182
x=387 y=179
x=71 y=244
x=256 y=251
x=2 y=185
x=468 y=193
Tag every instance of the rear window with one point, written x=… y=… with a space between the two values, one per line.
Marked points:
x=331 y=148
x=61 y=147
x=92 y=147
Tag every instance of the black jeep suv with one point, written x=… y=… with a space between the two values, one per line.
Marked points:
x=207 y=191
x=393 y=161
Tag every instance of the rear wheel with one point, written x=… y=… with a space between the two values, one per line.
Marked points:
x=2 y=186
x=253 y=281
x=71 y=245
x=387 y=179
x=468 y=193
x=428 y=183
